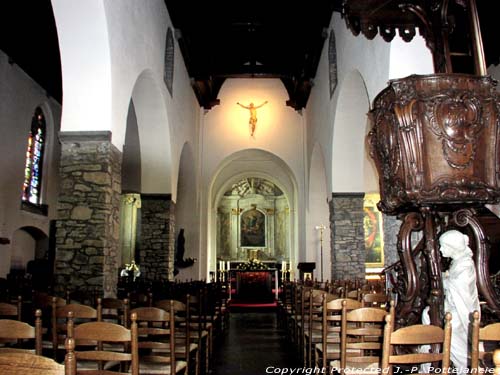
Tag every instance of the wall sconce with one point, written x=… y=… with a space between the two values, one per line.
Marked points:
x=253 y=115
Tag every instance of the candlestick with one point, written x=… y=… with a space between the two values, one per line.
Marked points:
x=321 y=227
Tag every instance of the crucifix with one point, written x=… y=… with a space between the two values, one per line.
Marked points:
x=253 y=115
x=321 y=228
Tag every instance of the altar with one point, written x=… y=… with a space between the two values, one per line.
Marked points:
x=254 y=286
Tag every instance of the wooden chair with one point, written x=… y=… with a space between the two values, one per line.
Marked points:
x=44 y=302
x=374 y=299
x=114 y=310
x=312 y=323
x=108 y=348
x=187 y=350
x=200 y=328
x=416 y=335
x=361 y=338
x=16 y=363
x=484 y=335
x=156 y=331
x=80 y=314
x=10 y=310
x=496 y=361
x=14 y=333
x=329 y=347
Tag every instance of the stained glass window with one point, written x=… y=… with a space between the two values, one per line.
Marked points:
x=34 y=159
x=168 y=75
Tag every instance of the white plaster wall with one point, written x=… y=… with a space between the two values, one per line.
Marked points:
x=85 y=65
x=105 y=47
x=318 y=213
x=19 y=96
x=280 y=131
x=376 y=62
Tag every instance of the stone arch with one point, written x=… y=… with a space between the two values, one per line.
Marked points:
x=28 y=243
x=88 y=106
x=348 y=144
x=318 y=214
x=154 y=135
x=348 y=183
x=185 y=208
x=131 y=156
x=260 y=164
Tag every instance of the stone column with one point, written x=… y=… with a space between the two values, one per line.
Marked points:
x=391 y=230
x=347 y=236
x=87 y=230
x=157 y=243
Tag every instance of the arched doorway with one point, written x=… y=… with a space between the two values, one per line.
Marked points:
x=250 y=187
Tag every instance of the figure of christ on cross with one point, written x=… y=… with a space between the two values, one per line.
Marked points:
x=253 y=115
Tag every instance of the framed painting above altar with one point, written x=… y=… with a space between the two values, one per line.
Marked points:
x=253 y=228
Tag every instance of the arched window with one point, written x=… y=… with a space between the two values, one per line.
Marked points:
x=34 y=159
x=168 y=74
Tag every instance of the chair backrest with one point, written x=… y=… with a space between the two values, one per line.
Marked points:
x=490 y=332
x=11 y=310
x=156 y=328
x=79 y=313
x=331 y=324
x=111 y=343
x=14 y=333
x=18 y=363
x=374 y=299
x=23 y=363
x=114 y=310
x=496 y=361
x=361 y=337
x=416 y=335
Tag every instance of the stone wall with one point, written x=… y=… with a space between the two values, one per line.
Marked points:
x=347 y=236
x=157 y=237
x=87 y=230
x=391 y=230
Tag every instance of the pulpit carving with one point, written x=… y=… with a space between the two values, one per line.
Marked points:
x=435 y=142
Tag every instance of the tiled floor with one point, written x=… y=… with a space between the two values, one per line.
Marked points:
x=253 y=345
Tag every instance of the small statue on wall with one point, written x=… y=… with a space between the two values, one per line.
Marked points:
x=180 y=262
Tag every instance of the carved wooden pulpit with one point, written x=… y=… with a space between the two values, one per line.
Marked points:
x=435 y=141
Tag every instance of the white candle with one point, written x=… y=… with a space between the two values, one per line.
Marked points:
x=221 y=265
x=228 y=264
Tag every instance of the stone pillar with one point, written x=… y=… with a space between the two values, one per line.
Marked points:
x=391 y=230
x=157 y=243
x=87 y=230
x=347 y=236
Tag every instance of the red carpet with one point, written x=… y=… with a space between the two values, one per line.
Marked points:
x=251 y=305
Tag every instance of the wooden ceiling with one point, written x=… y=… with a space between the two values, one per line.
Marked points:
x=218 y=40
x=265 y=39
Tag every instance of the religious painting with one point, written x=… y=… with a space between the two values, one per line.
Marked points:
x=374 y=235
x=253 y=228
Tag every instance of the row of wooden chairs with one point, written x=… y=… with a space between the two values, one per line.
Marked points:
x=199 y=332
x=149 y=345
x=327 y=330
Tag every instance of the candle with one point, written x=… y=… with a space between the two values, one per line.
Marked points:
x=221 y=265
x=228 y=264
x=283 y=266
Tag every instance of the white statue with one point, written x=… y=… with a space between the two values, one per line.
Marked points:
x=460 y=292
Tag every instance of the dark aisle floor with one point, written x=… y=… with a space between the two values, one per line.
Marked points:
x=253 y=345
